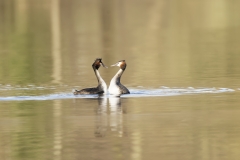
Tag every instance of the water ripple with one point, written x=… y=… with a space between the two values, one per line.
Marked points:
x=143 y=92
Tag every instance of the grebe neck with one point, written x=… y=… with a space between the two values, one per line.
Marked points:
x=101 y=82
x=117 y=77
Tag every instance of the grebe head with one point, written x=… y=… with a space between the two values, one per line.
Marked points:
x=97 y=63
x=122 y=64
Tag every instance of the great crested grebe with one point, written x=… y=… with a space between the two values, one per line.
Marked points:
x=102 y=87
x=115 y=85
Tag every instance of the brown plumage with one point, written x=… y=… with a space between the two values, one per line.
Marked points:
x=101 y=88
x=88 y=91
x=123 y=64
x=115 y=86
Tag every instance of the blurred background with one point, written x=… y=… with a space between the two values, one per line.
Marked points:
x=171 y=43
x=48 y=47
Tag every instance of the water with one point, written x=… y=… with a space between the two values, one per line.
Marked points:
x=182 y=71
x=135 y=92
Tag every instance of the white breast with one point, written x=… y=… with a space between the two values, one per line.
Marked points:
x=103 y=86
x=114 y=89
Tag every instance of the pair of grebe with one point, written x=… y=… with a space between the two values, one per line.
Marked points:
x=115 y=87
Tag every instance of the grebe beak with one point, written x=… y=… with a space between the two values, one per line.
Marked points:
x=114 y=64
x=104 y=65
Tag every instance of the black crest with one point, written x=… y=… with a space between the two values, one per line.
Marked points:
x=97 y=63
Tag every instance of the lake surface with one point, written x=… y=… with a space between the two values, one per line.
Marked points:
x=182 y=71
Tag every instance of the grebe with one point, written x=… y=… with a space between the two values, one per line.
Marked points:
x=102 y=87
x=115 y=86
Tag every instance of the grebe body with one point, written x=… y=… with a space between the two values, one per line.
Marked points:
x=116 y=87
x=102 y=87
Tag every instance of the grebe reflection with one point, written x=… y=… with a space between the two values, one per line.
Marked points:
x=109 y=117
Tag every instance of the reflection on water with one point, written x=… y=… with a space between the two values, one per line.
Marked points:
x=57 y=130
x=47 y=48
x=178 y=43
x=118 y=127
x=102 y=119
x=56 y=41
x=110 y=121
x=109 y=116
